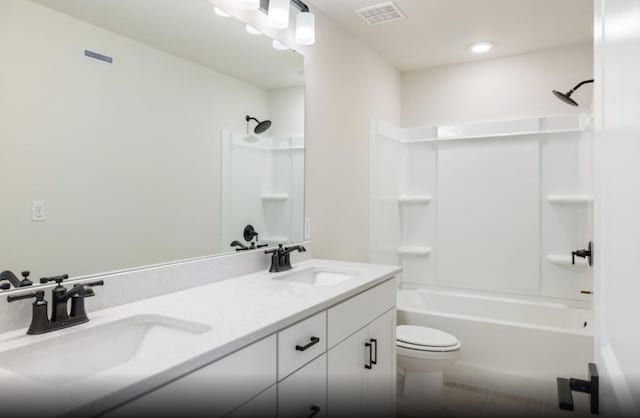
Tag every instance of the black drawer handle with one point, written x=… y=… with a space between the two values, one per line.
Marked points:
x=374 y=359
x=314 y=341
x=370 y=347
x=315 y=410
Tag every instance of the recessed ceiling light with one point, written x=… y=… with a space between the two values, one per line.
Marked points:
x=279 y=45
x=481 y=47
x=220 y=12
x=253 y=30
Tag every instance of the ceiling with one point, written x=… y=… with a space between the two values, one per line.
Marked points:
x=191 y=30
x=439 y=32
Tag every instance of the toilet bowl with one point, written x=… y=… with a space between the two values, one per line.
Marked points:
x=423 y=355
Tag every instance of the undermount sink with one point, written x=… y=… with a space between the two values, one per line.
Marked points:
x=78 y=355
x=318 y=276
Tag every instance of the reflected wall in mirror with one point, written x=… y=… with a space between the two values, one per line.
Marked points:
x=124 y=139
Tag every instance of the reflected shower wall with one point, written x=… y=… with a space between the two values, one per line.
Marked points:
x=490 y=207
x=263 y=186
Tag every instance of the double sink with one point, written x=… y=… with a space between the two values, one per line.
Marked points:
x=60 y=360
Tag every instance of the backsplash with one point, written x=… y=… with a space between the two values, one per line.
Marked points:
x=130 y=286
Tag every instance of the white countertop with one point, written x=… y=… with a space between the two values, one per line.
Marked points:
x=239 y=311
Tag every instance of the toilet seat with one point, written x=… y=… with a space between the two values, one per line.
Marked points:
x=415 y=338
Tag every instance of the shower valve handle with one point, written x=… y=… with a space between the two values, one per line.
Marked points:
x=588 y=254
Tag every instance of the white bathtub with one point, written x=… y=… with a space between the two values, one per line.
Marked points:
x=510 y=345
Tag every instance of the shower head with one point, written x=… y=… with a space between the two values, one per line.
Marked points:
x=566 y=97
x=262 y=127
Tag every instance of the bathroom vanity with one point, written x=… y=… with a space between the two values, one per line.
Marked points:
x=316 y=340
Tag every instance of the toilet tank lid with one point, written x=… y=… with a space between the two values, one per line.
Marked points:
x=424 y=336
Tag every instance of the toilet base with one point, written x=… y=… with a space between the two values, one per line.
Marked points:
x=423 y=393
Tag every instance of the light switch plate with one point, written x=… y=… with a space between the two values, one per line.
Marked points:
x=38 y=211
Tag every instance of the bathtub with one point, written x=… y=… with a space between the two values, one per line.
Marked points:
x=508 y=345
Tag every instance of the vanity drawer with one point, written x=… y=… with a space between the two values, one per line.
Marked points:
x=301 y=343
x=214 y=390
x=304 y=393
x=350 y=316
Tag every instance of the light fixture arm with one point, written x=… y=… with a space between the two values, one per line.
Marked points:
x=298 y=4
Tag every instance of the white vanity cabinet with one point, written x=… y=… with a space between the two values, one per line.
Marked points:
x=338 y=362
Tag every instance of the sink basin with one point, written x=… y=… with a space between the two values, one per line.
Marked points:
x=77 y=355
x=318 y=276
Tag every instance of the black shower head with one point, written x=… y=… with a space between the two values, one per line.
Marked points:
x=566 y=97
x=262 y=127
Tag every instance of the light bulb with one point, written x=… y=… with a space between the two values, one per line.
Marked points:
x=278 y=16
x=279 y=45
x=481 y=47
x=249 y=4
x=305 y=29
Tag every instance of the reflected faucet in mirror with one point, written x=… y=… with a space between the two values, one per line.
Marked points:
x=249 y=234
x=13 y=280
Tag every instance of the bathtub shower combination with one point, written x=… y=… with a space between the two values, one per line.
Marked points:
x=484 y=218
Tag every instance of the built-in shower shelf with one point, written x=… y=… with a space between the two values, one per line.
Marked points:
x=275 y=240
x=415 y=251
x=279 y=197
x=578 y=199
x=422 y=199
x=565 y=260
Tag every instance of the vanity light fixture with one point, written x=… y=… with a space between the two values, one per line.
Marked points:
x=278 y=14
x=249 y=4
x=279 y=45
x=481 y=47
x=305 y=28
x=250 y=29
x=220 y=12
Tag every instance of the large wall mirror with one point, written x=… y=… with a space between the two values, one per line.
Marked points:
x=124 y=137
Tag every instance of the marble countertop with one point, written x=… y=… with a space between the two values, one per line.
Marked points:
x=236 y=313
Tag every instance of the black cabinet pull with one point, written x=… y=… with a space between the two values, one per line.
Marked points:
x=374 y=359
x=314 y=341
x=370 y=347
x=315 y=410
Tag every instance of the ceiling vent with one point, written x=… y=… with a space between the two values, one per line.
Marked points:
x=381 y=13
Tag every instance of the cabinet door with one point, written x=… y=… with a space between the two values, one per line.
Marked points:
x=380 y=380
x=346 y=365
x=304 y=393
x=263 y=406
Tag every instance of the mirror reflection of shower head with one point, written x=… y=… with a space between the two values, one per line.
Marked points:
x=566 y=97
x=262 y=127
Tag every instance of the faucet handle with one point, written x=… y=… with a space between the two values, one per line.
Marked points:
x=57 y=279
x=275 y=250
x=39 y=295
x=25 y=279
x=5 y=286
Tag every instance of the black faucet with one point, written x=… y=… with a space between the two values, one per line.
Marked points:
x=60 y=318
x=13 y=280
x=281 y=257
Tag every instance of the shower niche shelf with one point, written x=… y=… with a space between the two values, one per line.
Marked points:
x=414 y=251
x=565 y=260
x=415 y=199
x=278 y=197
x=570 y=199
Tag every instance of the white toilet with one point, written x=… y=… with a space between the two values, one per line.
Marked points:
x=423 y=355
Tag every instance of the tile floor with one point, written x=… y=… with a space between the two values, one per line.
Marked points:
x=468 y=401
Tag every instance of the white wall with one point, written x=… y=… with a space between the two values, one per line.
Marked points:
x=496 y=89
x=126 y=156
x=286 y=110
x=617 y=181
